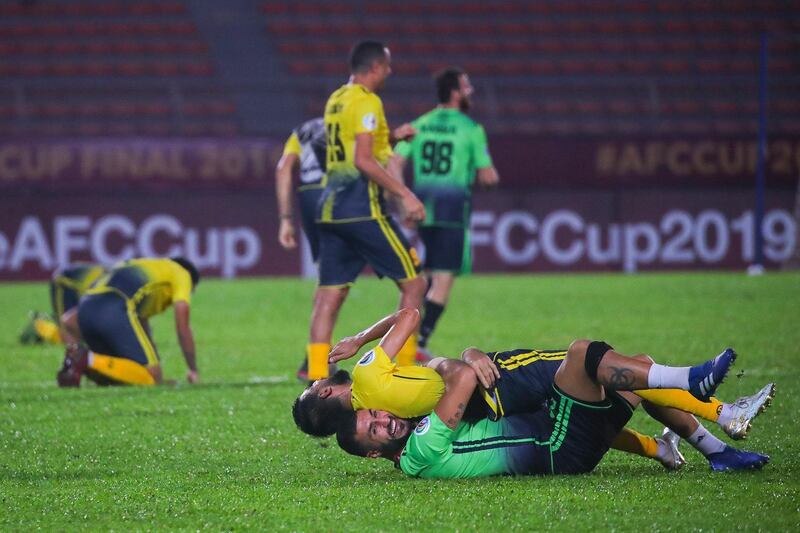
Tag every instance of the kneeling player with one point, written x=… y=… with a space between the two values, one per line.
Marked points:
x=112 y=320
x=586 y=409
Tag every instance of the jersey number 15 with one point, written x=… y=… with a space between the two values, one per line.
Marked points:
x=334 y=141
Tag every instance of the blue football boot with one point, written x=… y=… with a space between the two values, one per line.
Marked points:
x=732 y=459
x=704 y=379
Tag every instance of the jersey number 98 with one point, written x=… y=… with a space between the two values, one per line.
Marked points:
x=436 y=157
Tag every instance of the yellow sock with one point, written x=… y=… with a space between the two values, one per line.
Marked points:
x=630 y=441
x=120 y=369
x=680 y=399
x=317 y=353
x=48 y=330
x=407 y=355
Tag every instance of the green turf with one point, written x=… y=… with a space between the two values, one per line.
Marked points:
x=225 y=455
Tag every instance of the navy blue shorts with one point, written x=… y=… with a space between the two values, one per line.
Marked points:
x=346 y=247
x=308 y=200
x=526 y=381
x=110 y=326
x=447 y=249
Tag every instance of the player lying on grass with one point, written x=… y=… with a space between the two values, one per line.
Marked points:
x=586 y=407
x=113 y=321
x=67 y=285
x=527 y=376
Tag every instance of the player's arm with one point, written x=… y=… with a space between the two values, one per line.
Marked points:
x=394 y=329
x=488 y=177
x=369 y=166
x=403 y=132
x=283 y=190
x=396 y=167
x=459 y=381
x=482 y=364
x=186 y=339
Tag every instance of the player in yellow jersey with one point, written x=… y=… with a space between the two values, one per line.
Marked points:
x=354 y=229
x=113 y=322
x=526 y=376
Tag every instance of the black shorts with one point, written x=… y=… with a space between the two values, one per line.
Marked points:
x=526 y=381
x=580 y=433
x=447 y=249
x=308 y=200
x=346 y=247
x=110 y=326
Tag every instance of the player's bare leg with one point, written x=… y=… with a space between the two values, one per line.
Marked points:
x=70 y=331
x=619 y=372
x=441 y=285
x=327 y=303
x=411 y=293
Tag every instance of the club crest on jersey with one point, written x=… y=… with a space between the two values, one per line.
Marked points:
x=423 y=426
x=369 y=121
x=368 y=358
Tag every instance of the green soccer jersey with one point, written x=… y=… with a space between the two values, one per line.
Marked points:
x=479 y=449
x=446 y=151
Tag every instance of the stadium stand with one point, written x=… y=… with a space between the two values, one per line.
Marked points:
x=560 y=67
x=571 y=67
x=108 y=68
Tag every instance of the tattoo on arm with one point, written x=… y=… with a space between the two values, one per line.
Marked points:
x=620 y=378
x=453 y=421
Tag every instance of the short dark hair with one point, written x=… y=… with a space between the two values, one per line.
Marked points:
x=447 y=81
x=319 y=417
x=346 y=436
x=364 y=54
x=189 y=267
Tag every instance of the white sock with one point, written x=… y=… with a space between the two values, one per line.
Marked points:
x=668 y=377
x=704 y=442
x=725 y=415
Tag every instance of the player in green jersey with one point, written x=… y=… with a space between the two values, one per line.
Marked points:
x=449 y=153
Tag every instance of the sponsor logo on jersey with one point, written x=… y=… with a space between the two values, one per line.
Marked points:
x=368 y=358
x=369 y=121
x=423 y=426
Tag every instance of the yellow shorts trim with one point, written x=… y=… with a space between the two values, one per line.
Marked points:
x=399 y=249
x=524 y=359
x=141 y=335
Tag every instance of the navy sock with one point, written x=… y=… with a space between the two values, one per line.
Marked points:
x=432 y=313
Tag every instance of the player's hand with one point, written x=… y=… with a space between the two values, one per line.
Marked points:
x=286 y=234
x=404 y=132
x=413 y=209
x=344 y=349
x=486 y=370
x=192 y=377
x=488 y=180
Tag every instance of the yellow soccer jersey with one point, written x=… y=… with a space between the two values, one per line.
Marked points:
x=352 y=110
x=152 y=285
x=405 y=391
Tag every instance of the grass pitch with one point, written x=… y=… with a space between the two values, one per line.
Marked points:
x=225 y=455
